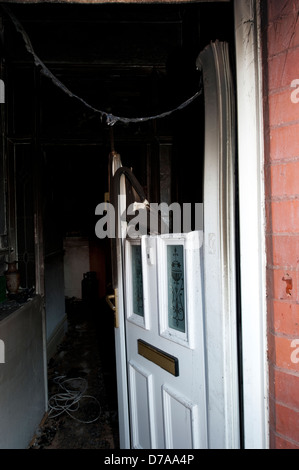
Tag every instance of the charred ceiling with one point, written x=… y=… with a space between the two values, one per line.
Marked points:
x=144 y=54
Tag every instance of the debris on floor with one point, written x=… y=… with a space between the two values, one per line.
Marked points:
x=82 y=410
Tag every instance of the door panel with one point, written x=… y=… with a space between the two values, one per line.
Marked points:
x=166 y=358
x=142 y=406
x=181 y=421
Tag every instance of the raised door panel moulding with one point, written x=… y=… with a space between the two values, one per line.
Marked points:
x=181 y=423
x=142 y=407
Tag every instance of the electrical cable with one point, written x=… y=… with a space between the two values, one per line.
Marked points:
x=110 y=118
x=68 y=401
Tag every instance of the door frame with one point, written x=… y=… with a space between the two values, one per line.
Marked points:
x=254 y=376
x=250 y=131
x=252 y=223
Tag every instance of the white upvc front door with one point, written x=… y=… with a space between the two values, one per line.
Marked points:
x=177 y=370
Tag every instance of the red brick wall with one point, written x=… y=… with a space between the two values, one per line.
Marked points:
x=282 y=202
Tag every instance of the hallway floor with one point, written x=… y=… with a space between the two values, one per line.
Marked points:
x=85 y=414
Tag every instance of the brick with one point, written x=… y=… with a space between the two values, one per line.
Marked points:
x=287 y=389
x=268 y=176
x=272 y=438
x=284 y=284
x=287 y=353
x=285 y=216
x=284 y=179
x=283 y=69
x=281 y=109
x=268 y=214
x=281 y=8
x=284 y=142
x=271 y=350
x=271 y=371
x=280 y=443
x=285 y=251
x=272 y=406
x=287 y=422
x=286 y=318
x=283 y=34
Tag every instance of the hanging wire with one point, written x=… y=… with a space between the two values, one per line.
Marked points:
x=111 y=119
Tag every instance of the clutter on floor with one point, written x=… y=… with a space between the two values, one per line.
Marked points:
x=82 y=411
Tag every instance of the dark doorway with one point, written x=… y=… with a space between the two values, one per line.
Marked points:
x=126 y=60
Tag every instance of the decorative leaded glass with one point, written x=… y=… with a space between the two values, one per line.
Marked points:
x=176 y=294
x=137 y=280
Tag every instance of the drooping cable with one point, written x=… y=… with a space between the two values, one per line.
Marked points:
x=111 y=119
x=68 y=400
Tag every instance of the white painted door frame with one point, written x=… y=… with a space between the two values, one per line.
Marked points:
x=252 y=239
x=252 y=223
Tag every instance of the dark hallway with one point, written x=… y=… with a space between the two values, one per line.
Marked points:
x=85 y=360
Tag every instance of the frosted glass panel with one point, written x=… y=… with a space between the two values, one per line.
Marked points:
x=176 y=294
x=137 y=281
